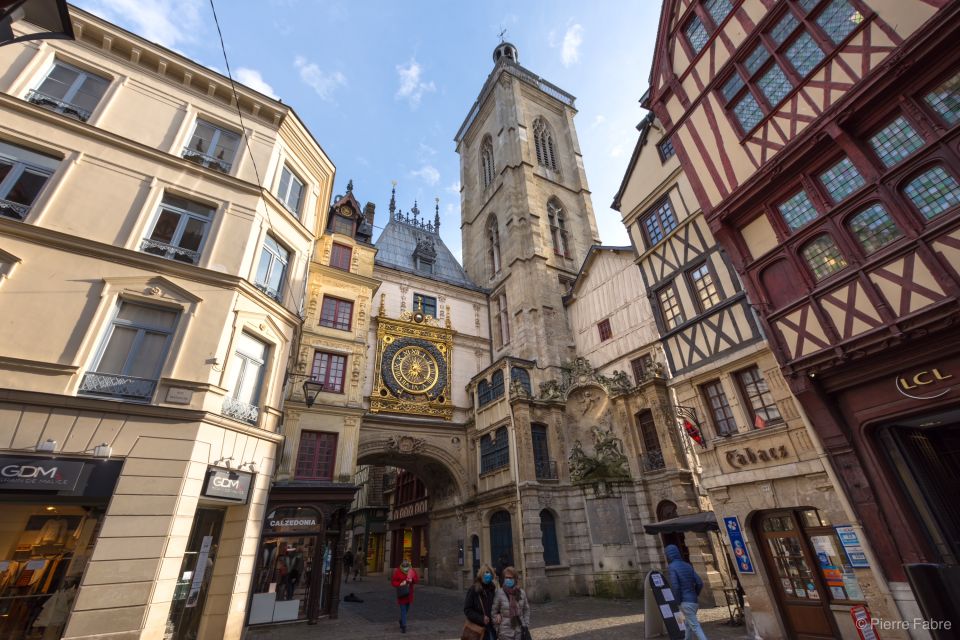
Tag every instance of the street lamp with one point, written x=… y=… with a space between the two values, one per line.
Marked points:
x=311 y=389
x=50 y=15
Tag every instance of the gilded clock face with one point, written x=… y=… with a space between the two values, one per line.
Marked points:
x=415 y=369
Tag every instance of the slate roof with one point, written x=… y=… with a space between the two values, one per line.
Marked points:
x=398 y=242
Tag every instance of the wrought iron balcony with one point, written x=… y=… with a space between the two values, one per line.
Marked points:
x=273 y=293
x=15 y=210
x=173 y=252
x=546 y=469
x=117 y=386
x=55 y=104
x=652 y=461
x=240 y=410
x=201 y=158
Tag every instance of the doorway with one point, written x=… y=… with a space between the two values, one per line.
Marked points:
x=667 y=510
x=501 y=540
x=196 y=572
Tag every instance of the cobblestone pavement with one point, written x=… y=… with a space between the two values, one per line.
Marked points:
x=438 y=614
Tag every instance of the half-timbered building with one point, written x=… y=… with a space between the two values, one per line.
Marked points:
x=820 y=140
x=760 y=462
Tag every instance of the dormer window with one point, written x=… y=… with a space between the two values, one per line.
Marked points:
x=425 y=255
x=212 y=147
x=70 y=91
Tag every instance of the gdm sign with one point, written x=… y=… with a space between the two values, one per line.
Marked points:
x=38 y=474
x=226 y=484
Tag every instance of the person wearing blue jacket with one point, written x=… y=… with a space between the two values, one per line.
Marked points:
x=686 y=584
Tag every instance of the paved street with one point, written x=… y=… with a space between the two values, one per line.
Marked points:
x=438 y=614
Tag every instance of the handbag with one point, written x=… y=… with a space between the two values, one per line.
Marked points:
x=472 y=631
x=403 y=591
x=525 y=634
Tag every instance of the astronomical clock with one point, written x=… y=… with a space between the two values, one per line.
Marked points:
x=412 y=373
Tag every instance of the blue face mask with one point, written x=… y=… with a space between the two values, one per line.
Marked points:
x=508 y=583
x=487 y=578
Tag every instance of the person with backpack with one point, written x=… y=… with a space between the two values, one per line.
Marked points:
x=686 y=584
x=404 y=577
x=511 y=609
x=478 y=605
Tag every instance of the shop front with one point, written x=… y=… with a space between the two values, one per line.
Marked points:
x=299 y=565
x=409 y=527
x=52 y=510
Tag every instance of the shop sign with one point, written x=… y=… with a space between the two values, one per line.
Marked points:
x=226 y=484
x=39 y=474
x=863 y=622
x=851 y=544
x=916 y=384
x=749 y=456
x=285 y=522
x=739 y=546
x=408 y=510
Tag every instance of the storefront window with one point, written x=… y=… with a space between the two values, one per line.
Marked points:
x=196 y=572
x=43 y=552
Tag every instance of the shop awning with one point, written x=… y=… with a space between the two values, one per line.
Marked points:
x=696 y=522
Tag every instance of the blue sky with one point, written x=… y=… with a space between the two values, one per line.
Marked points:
x=384 y=86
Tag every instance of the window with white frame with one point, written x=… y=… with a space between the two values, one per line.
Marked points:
x=180 y=230
x=246 y=370
x=23 y=173
x=70 y=91
x=129 y=361
x=708 y=293
x=212 y=146
x=670 y=308
x=290 y=191
x=272 y=269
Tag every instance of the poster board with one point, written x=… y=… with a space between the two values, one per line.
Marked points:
x=660 y=608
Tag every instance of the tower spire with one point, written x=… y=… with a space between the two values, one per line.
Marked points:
x=436 y=216
x=393 y=198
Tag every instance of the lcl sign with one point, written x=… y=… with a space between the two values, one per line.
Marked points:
x=38 y=474
x=226 y=484
x=914 y=384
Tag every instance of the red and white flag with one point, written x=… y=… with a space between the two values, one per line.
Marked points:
x=759 y=422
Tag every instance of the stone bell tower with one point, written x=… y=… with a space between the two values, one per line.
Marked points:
x=526 y=217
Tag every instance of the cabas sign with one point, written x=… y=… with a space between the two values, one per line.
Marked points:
x=227 y=484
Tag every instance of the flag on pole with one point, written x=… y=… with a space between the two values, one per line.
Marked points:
x=759 y=422
x=693 y=432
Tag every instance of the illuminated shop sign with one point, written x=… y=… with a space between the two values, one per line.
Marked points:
x=226 y=484
x=39 y=474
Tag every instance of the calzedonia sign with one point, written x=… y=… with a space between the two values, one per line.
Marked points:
x=226 y=484
x=39 y=474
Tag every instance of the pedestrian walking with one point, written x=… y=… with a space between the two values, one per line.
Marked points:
x=687 y=585
x=511 y=609
x=347 y=564
x=478 y=605
x=404 y=577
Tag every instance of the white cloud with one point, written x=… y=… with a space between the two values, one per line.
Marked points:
x=412 y=87
x=454 y=188
x=426 y=151
x=428 y=173
x=322 y=82
x=253 y=79
x=572 y=40
x=616 y=151
x=599 y=120
x=167 y=22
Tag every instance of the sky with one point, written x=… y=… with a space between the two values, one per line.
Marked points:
x=384 y=85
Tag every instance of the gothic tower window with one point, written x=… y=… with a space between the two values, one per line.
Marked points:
x=558 y=228
x=503 y=319
x=543 y=141
x=493 y=246
x=487 y=166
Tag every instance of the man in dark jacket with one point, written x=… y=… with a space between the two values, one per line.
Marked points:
x=686 y=584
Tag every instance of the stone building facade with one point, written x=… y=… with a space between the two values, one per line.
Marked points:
x=152 y=278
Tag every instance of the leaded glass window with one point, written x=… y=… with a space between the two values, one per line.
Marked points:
x=895 y=142
x=839 y=20
x=783 y=28
x=707 y=292
x=748 y=112
x=659 y=222
x=933 y=192
x=774 y=85
x=797 y=210
x=756 y=59
x=718 y=9
x=874 y=228
x=823 y=257
x=670 y=308
x=945 y=100
x=841 y=180
x=732 y=86
x=697 y=34
x=804 y=54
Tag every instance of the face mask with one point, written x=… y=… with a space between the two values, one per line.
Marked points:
x=508 y=583
x=487 y=578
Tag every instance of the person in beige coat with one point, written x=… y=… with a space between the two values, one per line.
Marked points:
x=511 y=609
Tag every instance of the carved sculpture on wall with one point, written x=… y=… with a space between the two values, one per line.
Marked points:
x=406 y=444
x=608 y=461
x=578 y=372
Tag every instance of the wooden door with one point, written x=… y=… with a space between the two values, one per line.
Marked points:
x=791 y=568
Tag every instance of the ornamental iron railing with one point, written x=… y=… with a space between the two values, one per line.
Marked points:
x=546 y=469
x=117 y=386
x=55 y=104
x=270 y=291
x=240 y=410
x=652 y=461
x=15 y=210
x=173 y=252
x=203 y=159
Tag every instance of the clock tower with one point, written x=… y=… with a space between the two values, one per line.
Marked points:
x=527 y=221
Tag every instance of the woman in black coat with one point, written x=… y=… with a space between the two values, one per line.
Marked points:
x=479 y=601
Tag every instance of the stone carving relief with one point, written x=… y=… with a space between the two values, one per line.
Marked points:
x=406 y=444
x=607 y=462
x=578 y=372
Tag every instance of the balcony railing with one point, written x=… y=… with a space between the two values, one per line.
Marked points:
x=117 y=386
x=652 y=461
x=270 y=291
x=201 y=158
x=173 y=252
x=546 y=469
x=240 y=410
x=15 y=210
x=55 y=104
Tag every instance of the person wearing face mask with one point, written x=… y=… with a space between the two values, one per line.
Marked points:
x=511 y=609
x=479 y=602
x=404 y=577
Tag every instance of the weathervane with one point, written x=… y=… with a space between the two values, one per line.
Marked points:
x=501 y=34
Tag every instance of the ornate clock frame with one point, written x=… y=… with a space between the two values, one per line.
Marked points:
x=413 y=372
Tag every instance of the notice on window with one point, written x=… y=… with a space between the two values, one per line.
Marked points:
x=199 y=572
x=852 y=547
